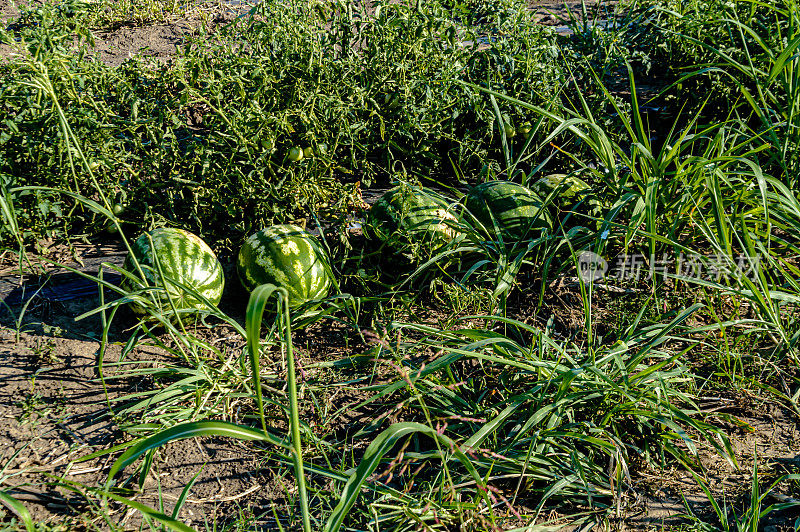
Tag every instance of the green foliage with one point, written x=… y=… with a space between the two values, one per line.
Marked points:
x=550 y=415
x=19 y=509
x=204 y=140
x=734 y=59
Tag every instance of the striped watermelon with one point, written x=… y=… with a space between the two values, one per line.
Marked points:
x=569 y=187
x=517 y=210
x=288 y=257
x=570 y=193
x=183 y=258
x=407 y=216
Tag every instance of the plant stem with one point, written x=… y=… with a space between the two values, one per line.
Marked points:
x=294 y=414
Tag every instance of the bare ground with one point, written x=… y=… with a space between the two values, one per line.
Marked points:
x=8 y=11
x=54 y=411
x=155 y=41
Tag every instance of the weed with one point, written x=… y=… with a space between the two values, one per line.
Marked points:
x=44 y=352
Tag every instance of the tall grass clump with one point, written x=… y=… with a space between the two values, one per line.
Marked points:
x=701 y=194
x=528 y=420
x=740 y=56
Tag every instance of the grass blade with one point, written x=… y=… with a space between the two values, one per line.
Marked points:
x=255 y=313
x=190 y=430
x=18 y=508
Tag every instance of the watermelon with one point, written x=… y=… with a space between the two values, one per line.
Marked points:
x=569 y=193
x=408 y=216
x=517 y=210
x=288 y=257
x=569 y=187
x=183 y=258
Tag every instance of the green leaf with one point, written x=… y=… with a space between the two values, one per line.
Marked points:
x=190 y=430
x=162 y=518
x=17 y=507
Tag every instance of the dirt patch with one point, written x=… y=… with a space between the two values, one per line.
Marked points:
x=124 y=40
x=40 y=376
x=8 y=11
x=54 y=409
x=157 y=41
x=54 y=412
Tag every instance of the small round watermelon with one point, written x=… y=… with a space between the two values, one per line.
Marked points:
x=517 y=210
x=569 y=187
x=569 y=193
x=183 y=258
x=288 y=257
x=407 y=216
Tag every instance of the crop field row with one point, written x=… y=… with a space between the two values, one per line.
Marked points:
x=339 y=265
